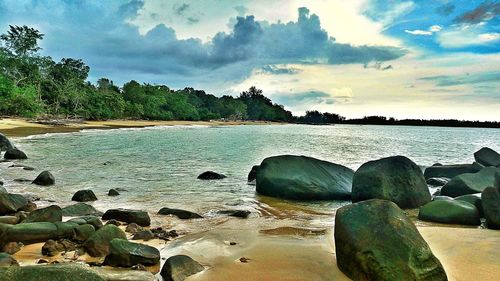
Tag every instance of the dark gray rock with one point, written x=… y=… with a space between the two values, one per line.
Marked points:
x=491 y=206
x=181 y=214
x=450 y=212
x=236 y=213
x=51 y=213
x=470 y=183
x=11 y=203
x=144 y=235
x=126 y=254
x=126 y=215
x=113 y=192
x=450 y=171
x=178 y=268
x=487 y=157
x=474 y=199
x=437 y=181
x=80 y=209
x=5 y=143
x=45 y=178
x=375 y=240
x=252 y=175
x=303 y=178
x=396 y=178
x=84 y=196
x=84 y=232
x=209 y=175
x=14 y=154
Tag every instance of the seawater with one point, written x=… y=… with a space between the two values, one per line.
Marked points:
x=158 y=166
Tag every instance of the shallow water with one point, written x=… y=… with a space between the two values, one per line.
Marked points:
x=158 y=166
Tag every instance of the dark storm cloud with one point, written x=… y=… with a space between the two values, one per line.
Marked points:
x=181 y=9
x=99 y=34
x=486 y=11
x=475 y=78
x=272 y=69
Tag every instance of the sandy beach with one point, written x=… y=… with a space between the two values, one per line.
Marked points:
x=17 y=127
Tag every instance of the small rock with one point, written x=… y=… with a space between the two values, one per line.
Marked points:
x=178 y=268
x=244 y=260
x=80 y=209
x=45 y=178
x=144 y=235
x=181 y=214
x=139 y=267
x=42 y=261
x=209 y=175
x=236 y=213
x=12 y=247
x=52 y=248
x=232 y=243
x=84 y=196
x=437 y=181
x=252 y=175
x=115 y=222
x=126 y=215
x=14 y=154
x=126 y=254
x=133 y=228
x=113 y=192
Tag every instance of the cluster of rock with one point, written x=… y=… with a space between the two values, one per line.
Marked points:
x=22 y=223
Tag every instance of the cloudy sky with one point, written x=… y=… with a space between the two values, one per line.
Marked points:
x=406 y=59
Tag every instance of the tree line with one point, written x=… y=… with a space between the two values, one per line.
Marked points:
x=33 y=85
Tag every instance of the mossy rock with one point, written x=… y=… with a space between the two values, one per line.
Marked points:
x=51 y=213
x=470 y=183
x=487 y=157
x=178 y=268
x=129 y=216
x=11 y=203
x=450 y=212
x=126 y=254
x=98 y=244
x=28 y=233
x=55 y=272
x=450 y=171
x=491 y=205
x=80 y=209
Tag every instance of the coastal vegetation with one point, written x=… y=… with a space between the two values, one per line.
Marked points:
x=35 y=86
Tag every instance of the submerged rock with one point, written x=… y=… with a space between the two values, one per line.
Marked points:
x=80 y=209
x=470 y=183
x=178 y=268
x=303 y=178
x=51 y=213
x=98 y=244
x=113 y=192
x=236 y=213
x=396 y=178
x=126 y=215
x=450 y=171
x=491 y=205
x=375 y=240
x=209 y=175
x=450 y=212
x=14 y=154
x=52 y=272
x=84 y=196
x=11 y=203
x=181 y=214
x=487 y=157
x=45 y=178
x=126 y=254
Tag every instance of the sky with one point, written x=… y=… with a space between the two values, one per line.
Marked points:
x=405 y=59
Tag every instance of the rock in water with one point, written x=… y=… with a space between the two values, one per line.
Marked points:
x=491 y=206
x=113 y=192
x=84 y=196
x=98 y=244
x=139 y=217
x=375 y=240
x=181 y=214
x=487 y=157
x=11 y=203
x=80 y=209
x=126 y=254
x=470 y=183
x=450 y=212
x=396 y=178
x=253 y=173
x=303 y=178
x=52 y=272
x=209 y=175
x=178 y=268
x=14 y=154
x=51 y=213
x=45 y=178
x=450 y=171
x=5 y=143
x=236 y=213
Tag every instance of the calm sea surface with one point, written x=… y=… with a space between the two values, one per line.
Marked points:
x=158 y=166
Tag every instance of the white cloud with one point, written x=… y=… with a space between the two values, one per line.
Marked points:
x=433 y=29
x=465 y=36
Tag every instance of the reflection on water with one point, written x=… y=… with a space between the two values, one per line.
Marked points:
x=158 y=166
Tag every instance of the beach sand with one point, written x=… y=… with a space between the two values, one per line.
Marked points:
x=17 y=127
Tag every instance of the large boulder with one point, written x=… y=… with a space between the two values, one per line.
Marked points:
x=139 y=217
x=491 y=206
x=450 y=212
x=396 y=178
x=28 y=233
x=51 y=213
x=98 y=244
x=375 y=240
x=487 y=157
x=209 y=175
x=450 y=171
x=126 y=254
x=303 y=178
x=181 y=214
x=80 y=209
x=45 y=178
x=83 y=232
x=5 y=143
x=11 y=203
x=14 y=154
x=178 y=268
x=474 y=199
x=53 y=272
x=84 y=196
x=470 y=183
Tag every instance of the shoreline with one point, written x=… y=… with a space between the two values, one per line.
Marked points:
x=19 y=127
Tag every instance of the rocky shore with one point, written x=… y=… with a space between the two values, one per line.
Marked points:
x=377 y=237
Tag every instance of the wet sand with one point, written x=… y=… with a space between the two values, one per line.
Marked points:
x=16 y=127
